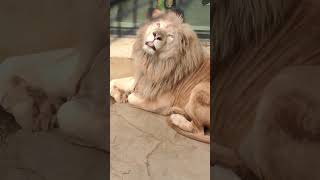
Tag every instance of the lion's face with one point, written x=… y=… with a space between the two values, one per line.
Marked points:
x=163 y=34
x=165 y=51
x=158 y=34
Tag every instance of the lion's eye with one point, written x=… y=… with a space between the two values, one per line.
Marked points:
x=170 y=35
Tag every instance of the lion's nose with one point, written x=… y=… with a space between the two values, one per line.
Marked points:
x=157 y=36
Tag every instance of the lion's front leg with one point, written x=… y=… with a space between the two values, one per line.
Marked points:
x=121 y=88
x=160 y=105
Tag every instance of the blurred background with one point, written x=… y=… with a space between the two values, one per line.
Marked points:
x=127 y=15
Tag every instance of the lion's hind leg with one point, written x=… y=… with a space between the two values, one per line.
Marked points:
x=180 y=121
x=187 y=128
x=197 y=110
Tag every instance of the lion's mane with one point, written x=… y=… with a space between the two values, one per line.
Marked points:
x=159 y=73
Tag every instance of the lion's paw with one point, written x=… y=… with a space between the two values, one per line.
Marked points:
x=181 y=122
x=177 y=119
x=132 y=99
x=119 y=95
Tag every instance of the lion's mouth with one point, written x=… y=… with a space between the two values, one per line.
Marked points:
x=151 y=45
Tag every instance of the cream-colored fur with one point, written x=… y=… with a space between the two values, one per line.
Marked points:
x=172 y=75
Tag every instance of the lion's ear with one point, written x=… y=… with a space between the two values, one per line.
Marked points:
x=175 y=16
x=156 y=13
x=188 y=35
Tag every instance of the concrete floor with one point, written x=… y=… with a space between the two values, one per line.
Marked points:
x=143 y=146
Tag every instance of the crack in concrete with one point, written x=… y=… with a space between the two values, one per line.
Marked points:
x=115 y=174
x=148 y=156
x=136 y=127
x=149 y=134
x=120 y=173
